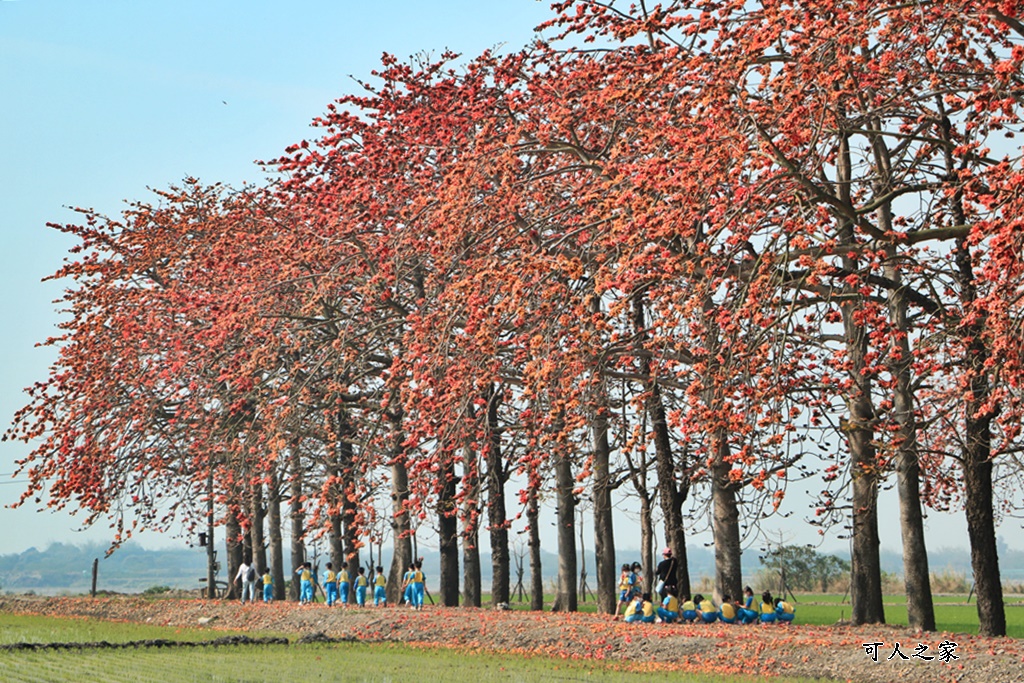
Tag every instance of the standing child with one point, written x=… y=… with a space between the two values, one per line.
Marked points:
x=407 y=585
x=379 y=583
x=331 y=585
x=268 y=586
x=305 y=574
x=343 y=585
x=625 y=588
x=361 y=584
x=419 y=585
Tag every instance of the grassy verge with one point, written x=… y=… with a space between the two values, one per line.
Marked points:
x=377 y=663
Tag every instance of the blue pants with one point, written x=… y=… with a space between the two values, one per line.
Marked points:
x=784 y=616
x=768 y=617
x=747 y=616
x=344 y=585
x=709 y=617
x=361 y=595
x=306 y=591
x=332 y=593
x=379 y=596
x=666 y=616
x=268 y=592
x=418 y=589
x=407 y=595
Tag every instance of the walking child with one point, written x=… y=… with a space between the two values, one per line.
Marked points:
x=361 y=584
x=379 y=583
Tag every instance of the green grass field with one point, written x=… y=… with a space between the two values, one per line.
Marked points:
x=377 y=663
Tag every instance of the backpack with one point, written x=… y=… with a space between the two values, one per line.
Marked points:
x=250 y=575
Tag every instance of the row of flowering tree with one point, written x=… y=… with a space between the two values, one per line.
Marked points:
x=688 y=254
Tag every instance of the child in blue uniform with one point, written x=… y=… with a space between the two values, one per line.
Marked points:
x=331 y=585
x=305 y=574
x=418 y=585
x=343 y=585
x=268 y=587
x=379 y=583
x=748 y=612
x=767 y=609
x=361 y=584
x=784 y=611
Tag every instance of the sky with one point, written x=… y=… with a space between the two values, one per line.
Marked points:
x=103 y=100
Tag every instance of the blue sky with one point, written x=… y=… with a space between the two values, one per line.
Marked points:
x=104 y=99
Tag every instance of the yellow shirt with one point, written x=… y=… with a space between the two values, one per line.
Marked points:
x=343 y=576
x=360 y=580
x=787 y=608
x=728 y=610
x=648 y=608
x=267 y=580
x=767 y=609
x=707 y=607
x=381 y=580
x=630 y=609
x=688 y=606
x=671 y=603
x=330 y=576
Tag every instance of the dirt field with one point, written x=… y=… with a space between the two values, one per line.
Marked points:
x=834 y=653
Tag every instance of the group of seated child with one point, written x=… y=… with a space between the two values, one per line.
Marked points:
x=699 y=608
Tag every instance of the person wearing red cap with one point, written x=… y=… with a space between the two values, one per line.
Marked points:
x=667 y=573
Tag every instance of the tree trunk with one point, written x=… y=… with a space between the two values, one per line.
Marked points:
x=258 y=516
x=497 y=520
x=471 y=582
x=448 y=536
x=565 y=597
x=673 y=481
x=298 y=528
x=917 y=584
x=977 y=464
x=604 y=533
x=916 y=580
x=726 y=516
x=400 y=527
x=276 y=538
x=647 y=549
x=866 y=574
x=235 y=548
x=533 y=520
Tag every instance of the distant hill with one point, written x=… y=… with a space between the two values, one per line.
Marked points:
x=66 y=568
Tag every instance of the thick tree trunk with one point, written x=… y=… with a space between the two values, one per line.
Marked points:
x=866 y=579
x=471 y=583
x=276 y=536
x=726 y=520
x=497 y=520
x=916 y=580
x=298 y=522
x=673 y=482
x=646 y=538
x=256 y=535
x=920 y=610
x=866 y=574
x=604 y=533
x=400 y=527
x=565 y=597
x=977 y=465
x=533 y=520
x=235 y=554
x=448 y=537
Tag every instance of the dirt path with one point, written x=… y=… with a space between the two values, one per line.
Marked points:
x=835 y=653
